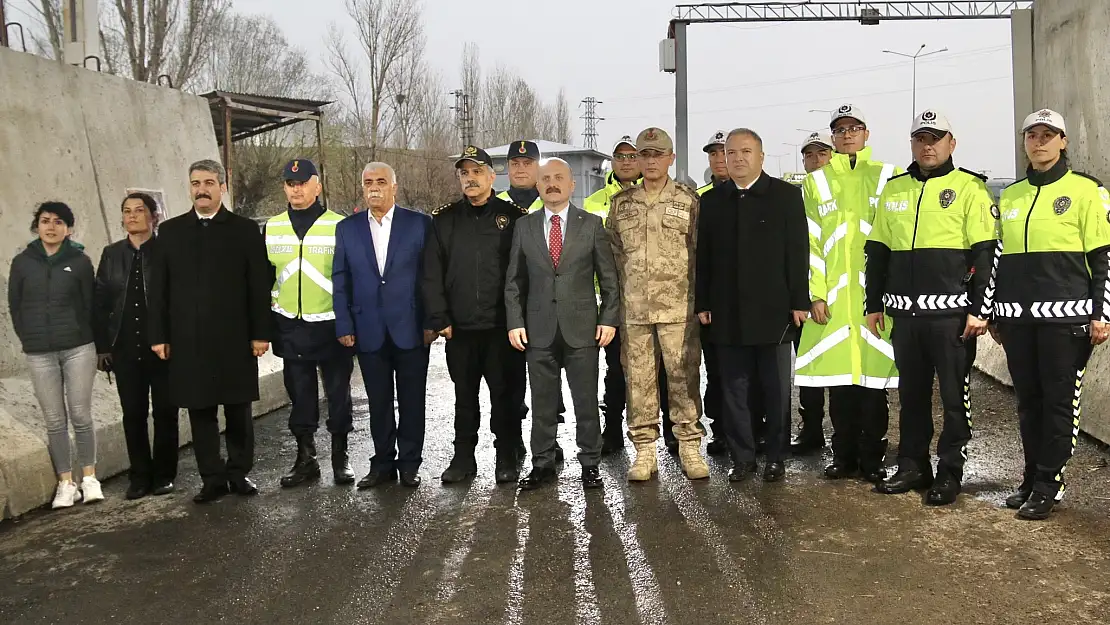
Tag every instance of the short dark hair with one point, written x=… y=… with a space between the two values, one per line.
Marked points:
x=61 y=209
x=147 y=201
x=746 y=132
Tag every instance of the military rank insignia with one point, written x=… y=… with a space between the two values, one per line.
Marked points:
x=995 y=212
x=501 y=221
x=947 y=197
x=1061 y=205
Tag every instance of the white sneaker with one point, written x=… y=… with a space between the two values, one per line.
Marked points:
x=90 y=489
x=65 y=496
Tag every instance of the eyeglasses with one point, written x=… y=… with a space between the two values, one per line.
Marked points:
x=650 y=155
x=846 y=130
x=625 y=157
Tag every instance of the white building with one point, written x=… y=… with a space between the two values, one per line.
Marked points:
x=588 y=167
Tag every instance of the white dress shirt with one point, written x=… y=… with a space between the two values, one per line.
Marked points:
x=750 y=184
x=547 y=215
x=379 y=232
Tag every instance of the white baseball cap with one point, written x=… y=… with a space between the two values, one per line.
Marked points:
x=718 y=138
x=1045 y=117
x=625 y=140
x=931 y=121
x=847 y=110
x=817 y=138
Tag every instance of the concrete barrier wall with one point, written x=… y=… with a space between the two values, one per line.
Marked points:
x=1071 y=74
x=84 y=138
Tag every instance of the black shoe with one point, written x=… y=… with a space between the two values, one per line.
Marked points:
x=210 y=492
x=507 y=466
x=1020 y=496
x=773 y=472
x=944 y=491
x=591 y=477
x=672 y=446
x=904 y=481
x=162 y=488
x=612 y=440
x=305 y=467
x=875 y=476
x=137 y=490
x=537 y=478
x=410 y=479
x=716 y=447
x=521 y=449
x=803 y=445
x=242 y=486
x=376 y=477
x=740 y=472
x=340 y=461
x=560 y=457
x=463 y=467
x=840 y=470
x=1037 y=507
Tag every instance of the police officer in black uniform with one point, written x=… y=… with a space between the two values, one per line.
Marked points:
x=465 y=260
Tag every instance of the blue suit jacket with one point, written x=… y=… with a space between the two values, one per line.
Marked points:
x=371 y=305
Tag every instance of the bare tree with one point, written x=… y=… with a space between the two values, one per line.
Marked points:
x=49 y=43
x=144 y=39
x=562 y=118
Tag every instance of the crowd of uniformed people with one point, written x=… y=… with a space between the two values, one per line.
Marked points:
x=864 y=279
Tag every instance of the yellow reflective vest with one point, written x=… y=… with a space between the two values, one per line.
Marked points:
x=303 y=288
x=537 y=203
x=598 y=202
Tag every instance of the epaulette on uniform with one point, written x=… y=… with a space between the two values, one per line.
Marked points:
x=522 y=209
x=978 y=175
x=1088 y=177
x=436 y=211
x=620 y=193
x=687 y=189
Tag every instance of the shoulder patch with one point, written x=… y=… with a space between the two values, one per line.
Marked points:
x=436 y=211
x=978 y=175
x=1088 y=177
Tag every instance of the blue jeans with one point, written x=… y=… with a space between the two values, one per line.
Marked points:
x=63 y=384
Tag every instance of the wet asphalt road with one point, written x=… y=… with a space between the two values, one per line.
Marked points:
x=670 y=551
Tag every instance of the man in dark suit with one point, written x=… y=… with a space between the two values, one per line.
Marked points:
x=210 y=318
x=379 y=259
x=554 y=318
x=752 y=291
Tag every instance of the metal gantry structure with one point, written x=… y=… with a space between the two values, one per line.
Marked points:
x=589 y=135
x=866 y=13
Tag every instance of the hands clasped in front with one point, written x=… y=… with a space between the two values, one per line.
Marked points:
x=518 y=337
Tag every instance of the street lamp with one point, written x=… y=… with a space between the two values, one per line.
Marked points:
x=779 y=157
x=914 y=57
x=797 y=150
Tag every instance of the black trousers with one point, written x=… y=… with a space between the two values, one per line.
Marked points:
x=713 y=400
x=143 y=383
x=1047 y=363
x=811 y=408
x=859 y=416
x=924 y=347
x=206 y=442
x=615 y=394
x=545 y=366
x=768 y=368
x=303 y=387
x=474 y=355
x=398 y=437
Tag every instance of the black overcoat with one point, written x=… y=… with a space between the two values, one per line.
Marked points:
x=209 y=298
x=752 y=262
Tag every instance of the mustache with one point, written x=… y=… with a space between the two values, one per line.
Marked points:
x=472 y=185
x=553 y=190
x=202 y=195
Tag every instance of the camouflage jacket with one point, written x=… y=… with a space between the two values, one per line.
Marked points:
x=654 y=249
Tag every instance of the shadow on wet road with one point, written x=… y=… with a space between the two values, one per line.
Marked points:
x=669 y=551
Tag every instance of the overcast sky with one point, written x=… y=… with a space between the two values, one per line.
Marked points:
x=763 y=76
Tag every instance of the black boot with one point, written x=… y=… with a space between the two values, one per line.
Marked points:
x=305 y=467
x=905 y=480
x=1037 y=507
x=1021 y=495
x=612 y=438
x=507 y=468
x=463 y=467
x=340 y=462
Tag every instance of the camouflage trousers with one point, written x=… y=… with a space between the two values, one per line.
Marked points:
x=680 y=347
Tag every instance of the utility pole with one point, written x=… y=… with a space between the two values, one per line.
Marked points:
x=463 y=120
x=589 y=135
x=914 y=57
x=797 y=150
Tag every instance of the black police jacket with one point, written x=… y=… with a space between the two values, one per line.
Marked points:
x=465 y=260
x=110 y=294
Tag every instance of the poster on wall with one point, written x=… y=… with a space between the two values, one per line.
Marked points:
x=161 y=213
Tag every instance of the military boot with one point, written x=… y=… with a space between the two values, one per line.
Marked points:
x=646 y=464
x=305 y=467
x=340 y=463
x=463 y=467
x=693 y=463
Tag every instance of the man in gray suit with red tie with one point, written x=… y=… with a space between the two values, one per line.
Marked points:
x=554 y=317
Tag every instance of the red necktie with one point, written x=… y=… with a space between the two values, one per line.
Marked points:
x=555 y=241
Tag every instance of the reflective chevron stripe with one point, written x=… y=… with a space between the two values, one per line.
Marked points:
x=838 y=234
x=988 y=294
x=824 y=193
x=1008 y=310
x=1106 y=288
x=863 y=279
x=882 y=346
x=814 y=228
x=823 y=346
x=817 y=264
x=1076 y=413
x=926 y=302
x=865 y=227
x=967 y=410
x=897 y=302
x=1061 y=309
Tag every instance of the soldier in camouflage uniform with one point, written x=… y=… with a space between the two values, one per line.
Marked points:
x=653 y=228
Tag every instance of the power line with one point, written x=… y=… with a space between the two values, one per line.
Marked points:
x=39 y=20
x=824 y=99
x=785 y=81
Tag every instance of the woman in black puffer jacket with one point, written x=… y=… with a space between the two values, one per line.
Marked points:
x=50 y=297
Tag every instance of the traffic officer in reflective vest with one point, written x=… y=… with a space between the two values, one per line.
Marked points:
x=837 y=350
x=301 y=244
x=715 y=149
x=465 y=259
x=929 y=262
x=654 y=233
x=1052 y=303
x=816 y=152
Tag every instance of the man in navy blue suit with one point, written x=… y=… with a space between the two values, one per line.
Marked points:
x=379 y=310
